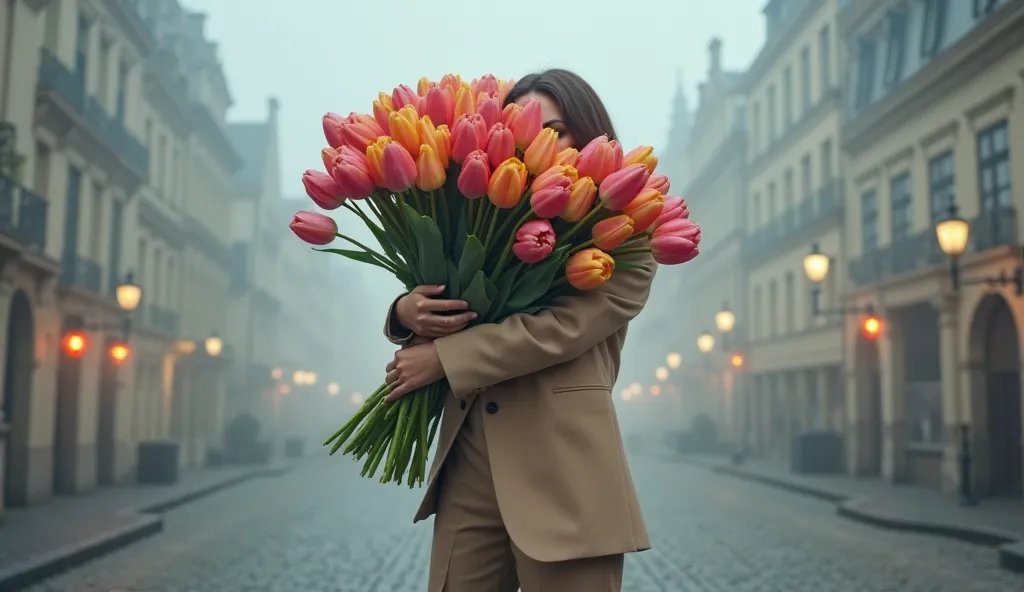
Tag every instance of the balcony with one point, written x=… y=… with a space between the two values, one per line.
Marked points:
x=989 y=230
x=64 y=89
x=81 y=272
x=163 y=320
x=22 y=215
x=813 y=214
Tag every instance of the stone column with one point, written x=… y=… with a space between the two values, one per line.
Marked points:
x=822 y=419
x=804 y=398
x=948 y=306
x=891 y=348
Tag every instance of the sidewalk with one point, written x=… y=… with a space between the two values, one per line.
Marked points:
x=997 y=523
x=40 y=541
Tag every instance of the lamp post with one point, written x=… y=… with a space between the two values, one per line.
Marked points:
x=661 y=374
x=816 y=268
x=705 y=342
x=674 y=360
x=128 y=296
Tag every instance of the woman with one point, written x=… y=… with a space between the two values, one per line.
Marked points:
x=530 y=484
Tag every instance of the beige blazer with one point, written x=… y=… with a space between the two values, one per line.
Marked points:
x=563 y=486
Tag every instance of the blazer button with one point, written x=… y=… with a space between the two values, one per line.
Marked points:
x=462 y=404
x=492 y=407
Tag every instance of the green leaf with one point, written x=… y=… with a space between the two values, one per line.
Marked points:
x=461 y=229
x=504 y=289
x=476 y=295
x=536 y=281
x=364 y=257
x=432 y=259
x=627 y=265
x=471 y=261
x=454 y=283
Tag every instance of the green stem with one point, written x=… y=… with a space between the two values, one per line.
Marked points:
x=519 y=207
x=481 y=213
x=629 y=251
x=490 y=228
x=391 y=265
x=581 y=246
x=508 y=246
x=565 y=237
x=375 y=228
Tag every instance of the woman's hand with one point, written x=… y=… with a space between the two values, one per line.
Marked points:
x=419 y=311
x=414 y=367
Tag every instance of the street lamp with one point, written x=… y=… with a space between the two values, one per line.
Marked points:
x=816 y=266
x=128 y=293
x=333 y=389
x=214 y=345
x=674 y=360
x=706 y=342
x=725 y=320
x=953 y=235
x=276 y=373
x=661 y=373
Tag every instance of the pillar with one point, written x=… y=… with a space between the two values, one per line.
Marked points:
x=891 y=349
x=804 y=398
x=948 y=306
x=823 y=392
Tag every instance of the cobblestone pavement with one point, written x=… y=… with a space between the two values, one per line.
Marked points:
x=320 y=528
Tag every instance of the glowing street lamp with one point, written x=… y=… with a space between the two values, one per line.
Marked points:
x=119 y=352
x=953 y=235
x=128 y=294
x=674 y=360
x=706 y=342
x=333 y=389
x=661 y=373
x=214 y=345
x=725 y=320
x=74 y=344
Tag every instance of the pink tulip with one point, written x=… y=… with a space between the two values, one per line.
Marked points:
x=620 y=187
x=352 y=175
x=332 y=129
x=551 y=201
x=313 y=227
x=534 y=241
x=402 y=96
x=434 y=106
x=358 y=135
x=501 y=145
x=475 y=175
x=398 y=169
x=468 y=135
x=490 y=110
x=354 y=157
x=556 y=176
x=322 y=189
x=367 y=120
x=676 y=241
x=674 y=208
x=528 y=124
x=617 y=157
x=510 y=113
x=597 y=159
x=487 y=83
x=659 y=183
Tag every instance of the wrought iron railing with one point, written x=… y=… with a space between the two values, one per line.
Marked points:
x=22 y=214
x=781 y=232
x=81 y=272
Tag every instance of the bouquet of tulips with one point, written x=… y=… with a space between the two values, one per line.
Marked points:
x=461 y=192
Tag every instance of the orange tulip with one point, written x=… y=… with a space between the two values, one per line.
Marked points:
x=582 y=195
x=569 y=156
x=507 y=183
x=375 y=160
x=612 y=232
x=381 y=109
x=540 y=154
x=510 y=113
x=465 y=104
x=641 y=155
x=589 y=269
x=430 y=173
x=403 y=124
x=443 y=139
x=645 y=209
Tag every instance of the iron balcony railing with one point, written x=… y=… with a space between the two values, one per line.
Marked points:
x=81 y=272
x=70 y=87
x=22 y=214
x=780 y=233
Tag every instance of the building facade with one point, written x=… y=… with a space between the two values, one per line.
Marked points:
x=794 y=200
x=932 y=120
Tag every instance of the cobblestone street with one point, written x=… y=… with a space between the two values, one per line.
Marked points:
x=321 y=528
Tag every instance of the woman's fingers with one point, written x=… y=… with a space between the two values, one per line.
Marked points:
x=439 y=305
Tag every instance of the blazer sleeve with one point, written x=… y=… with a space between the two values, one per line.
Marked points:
x=393 y=330
x=522 y=344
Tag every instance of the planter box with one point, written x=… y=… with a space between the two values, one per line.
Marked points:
x=158 y=462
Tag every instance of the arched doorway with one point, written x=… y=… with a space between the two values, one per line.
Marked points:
x=868 y=433
x=19 y=367
x=65 y=429
x=994 y=332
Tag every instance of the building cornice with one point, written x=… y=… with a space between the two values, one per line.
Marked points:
x=796 y=132
x=989 y=42
x=169 y=101
x=131 y=24
x=855 y=14
x=776 y=45
x=732 y=151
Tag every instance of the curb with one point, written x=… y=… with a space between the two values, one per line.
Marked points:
x=148 y=523
x=1010 y=548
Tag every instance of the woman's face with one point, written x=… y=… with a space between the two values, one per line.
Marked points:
x=551 y=115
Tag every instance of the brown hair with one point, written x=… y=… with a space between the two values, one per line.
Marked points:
x=583 y=112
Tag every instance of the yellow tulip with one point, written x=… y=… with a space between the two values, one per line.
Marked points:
x=430 y=173
x=540 y=154
x=507 y=183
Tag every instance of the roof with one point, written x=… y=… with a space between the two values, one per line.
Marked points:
x=251 y=140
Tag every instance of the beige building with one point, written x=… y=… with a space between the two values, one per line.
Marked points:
x=116 y=166
x=933 y=120
x=794 y=201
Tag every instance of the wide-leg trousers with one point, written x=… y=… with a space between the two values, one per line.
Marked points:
x=472 y=551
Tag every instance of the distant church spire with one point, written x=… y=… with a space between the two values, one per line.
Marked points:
x=679 y=128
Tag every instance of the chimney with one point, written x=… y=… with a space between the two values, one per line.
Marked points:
x=701 y=90
x=715 y=53
x=273 y=105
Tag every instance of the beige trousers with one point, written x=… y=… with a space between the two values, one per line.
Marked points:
x=472 y=551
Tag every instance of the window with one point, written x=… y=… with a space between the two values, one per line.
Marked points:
x=902 y=207
x=772 y=114
x=756 y=123
x=787 y=190
x=757 y=211
x=825 y=60
x=805 y=176
x=773 y=308
x=869 y=220
x=933 y=27
x=865 y=73
x=772 y=205
x=984 y=8
x=790 y=302
x=896 y=48
x=114 y=257
x=826 y=161
x=757 y=313
x=82 y=52
x=805 y=78
x=169 y=299
x=941 y=185
x=71 y=213
x=787 y=97
x=994 y=167
x=140 y=261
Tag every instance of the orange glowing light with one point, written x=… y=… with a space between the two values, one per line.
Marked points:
x=119 y=352
x=736 y=360
x=655 y=390
x=74 y=344
x=284 y=389
x=871 y=327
